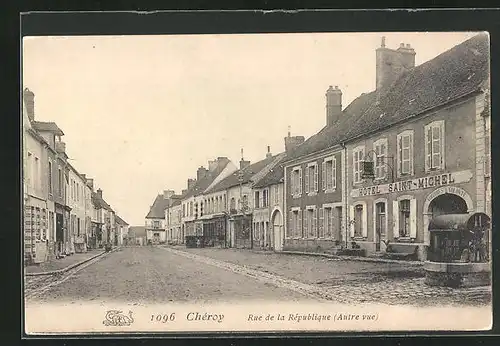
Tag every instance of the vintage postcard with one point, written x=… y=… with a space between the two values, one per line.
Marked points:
x=257 y=183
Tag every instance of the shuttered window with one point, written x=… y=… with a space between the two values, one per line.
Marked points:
x=380 y=165
x=329 y=174
x=405 y=153
x=358 y=154
x=434 y=146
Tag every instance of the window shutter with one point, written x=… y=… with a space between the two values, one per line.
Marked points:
x=413 y=218
x=323 y=175
x=364 y=223
x=315 y=222
x=290 y=226
x=307 y=180
x=351 y=219
x=299 y=190
x=316 y=173
x=411 y=154
x=334 y=173
x=395 y=217
x=442 y=145
x=321 y=227
x=400 y=154
x=428 y=148
x=298 y=229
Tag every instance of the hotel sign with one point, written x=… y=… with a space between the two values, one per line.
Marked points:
x=414 y=184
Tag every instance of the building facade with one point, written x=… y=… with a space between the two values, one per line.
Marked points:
x=415 y=148
x=173 y=216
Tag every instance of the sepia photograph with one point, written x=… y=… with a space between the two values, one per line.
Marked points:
x=256 y=182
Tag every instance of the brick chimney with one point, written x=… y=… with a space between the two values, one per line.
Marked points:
x=184 y=191
x=201 y=173
x=191 y=183
x=268 y=154
x=212 y=165
x=391 y=63
x=29 y=101
x=99 y=193
x=243 y=163
x=292 y=142
x=333 y=105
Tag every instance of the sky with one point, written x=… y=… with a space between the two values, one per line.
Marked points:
x=141 y=113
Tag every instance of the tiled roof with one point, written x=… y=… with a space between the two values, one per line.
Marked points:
x=137 y=231
x=176 y=202
x=202 y=184
x=453 y=74
x=157 y=210
x=246 y=173
x=47 y=126
x=274 y=176
x=120 y=220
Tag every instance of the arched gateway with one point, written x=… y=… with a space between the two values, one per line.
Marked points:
x=277 y=230
x=445 y=200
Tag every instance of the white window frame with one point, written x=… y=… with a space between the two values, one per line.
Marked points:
x=379 y=164
x=413 y=217
x=411 y=154
x=356 y=172
x=312 y=167
x=293 y=232
x=296 y=185
x=329 y=181
x=310 y=222
x=429 y=165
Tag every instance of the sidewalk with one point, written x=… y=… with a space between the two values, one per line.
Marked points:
x=63 y=263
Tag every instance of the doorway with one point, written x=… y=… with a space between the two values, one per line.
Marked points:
x=380 y=222
x=447 y=204
x=277 y=231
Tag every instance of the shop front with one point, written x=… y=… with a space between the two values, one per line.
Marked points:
x=214 y=232
x=393 y=219
x=241 y=231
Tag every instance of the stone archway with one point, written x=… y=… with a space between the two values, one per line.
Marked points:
x=277 y=229
x=460 y=202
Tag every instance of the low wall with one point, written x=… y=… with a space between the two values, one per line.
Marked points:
x=308 y=245
x=457 y=274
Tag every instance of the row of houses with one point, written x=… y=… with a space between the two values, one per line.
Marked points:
x=377 y=173
x=63 y=214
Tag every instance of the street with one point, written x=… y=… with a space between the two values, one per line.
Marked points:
x=142 y=275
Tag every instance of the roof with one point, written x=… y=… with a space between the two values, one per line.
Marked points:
x=137 y=231
x=202 y=184
x=120 y=221
x=99 y=202
x=47 y=126
x=451 y=75
x=157 y=210
x=176 y=202
x=274 y=176
x=246 y=175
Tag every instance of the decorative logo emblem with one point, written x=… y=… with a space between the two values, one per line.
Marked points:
x=118 y=318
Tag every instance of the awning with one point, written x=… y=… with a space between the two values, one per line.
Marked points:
x=458 y=222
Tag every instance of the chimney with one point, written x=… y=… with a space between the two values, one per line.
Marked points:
x=390 y=63
x=61 y=147
x=212 y=165
x=292 y=142
x=333 y=105
x=191 y=183
x=201 y=172
x=29 y=101
x=99 y=193
x=268 y=154
x=167 y=194
x=243 y=162
x=184 y=192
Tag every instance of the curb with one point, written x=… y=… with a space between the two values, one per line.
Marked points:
x=63 y=270
x=353 y=258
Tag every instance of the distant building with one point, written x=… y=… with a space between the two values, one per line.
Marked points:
x=155 y=221
x=136 y=235
x=121 y=230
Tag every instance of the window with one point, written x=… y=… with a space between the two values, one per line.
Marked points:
x=78 y=226
x=358 y=221
x=326 y=222
x=28 y=175
x=405 y=153
x=295 y=229
x=183 y=210
x=329 y=174
x=380 y=218
x=404 y=218
x=358 y=155
x=36 y=180
x=380 y=148
x=232 y=204
x=296 y=182
x=434 y=146
x=191 y=209
x=265 y=201
x=276 y=194
x=311 y=178
x=257 y=199
x=311 y=222
x=50 y=177
x=244 y=202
